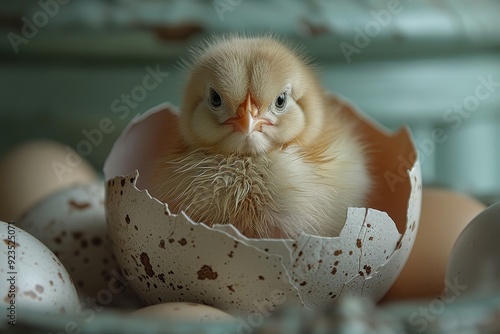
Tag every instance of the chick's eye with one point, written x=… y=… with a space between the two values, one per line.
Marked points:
x=214 y=98
x=280 y=102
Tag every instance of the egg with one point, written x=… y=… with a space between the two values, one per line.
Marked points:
x=72 y=223
x=179 y=260
x=185 y=312
x=36 y=169
x=445 y=213
x=474 y=266
x=32 y=276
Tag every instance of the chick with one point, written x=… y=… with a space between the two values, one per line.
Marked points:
x=261 y=147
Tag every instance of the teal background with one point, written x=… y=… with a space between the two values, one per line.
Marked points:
x=408 y=62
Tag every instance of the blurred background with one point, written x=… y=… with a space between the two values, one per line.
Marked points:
x=78 y=71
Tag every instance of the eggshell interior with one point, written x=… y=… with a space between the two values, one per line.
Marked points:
x=177 y=259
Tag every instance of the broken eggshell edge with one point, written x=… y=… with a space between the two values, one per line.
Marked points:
x=177 y=259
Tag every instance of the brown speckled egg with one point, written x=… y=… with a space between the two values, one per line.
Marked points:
x=32 y=276
x=178 y=260
x=72 y=223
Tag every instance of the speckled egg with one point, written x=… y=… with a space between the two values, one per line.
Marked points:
x=177 y=259
x=32 y=276
x=72 y=223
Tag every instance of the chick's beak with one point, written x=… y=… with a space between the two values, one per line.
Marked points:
x=247 y=120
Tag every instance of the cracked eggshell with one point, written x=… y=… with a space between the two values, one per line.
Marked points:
x=176 y=259
x=72 y=224
x=32 y=276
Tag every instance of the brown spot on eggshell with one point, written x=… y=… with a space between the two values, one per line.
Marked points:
x=336 y=263
x=79 y=206
x=206 y=272
x=122 y=182
x=171 y=240
x=230 y=287
x=230 y=254
x=182 y=242
x=334 y=271
x=133 y=258
x=303 y=283
x=162 y=244
x=368 y=225
x=51 y=283
x=136 y=228
x=127 y=219
x=147 y=265
x=338 y=252
x=77 y=235
x=370 y=238
x=30 y=294
x=61 y=277
x=96 y=241
x=261 y=277
x=84 y=243
x=10 y=243
x=359 y=243
x=368 y=269
x=39 y=288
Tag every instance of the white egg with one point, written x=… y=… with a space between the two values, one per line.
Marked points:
x=72 y=223
x=176 y=259
x=185 y=312
x=473 y=267
x=32 y=276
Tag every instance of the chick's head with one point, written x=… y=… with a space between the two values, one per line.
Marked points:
x=249 y=96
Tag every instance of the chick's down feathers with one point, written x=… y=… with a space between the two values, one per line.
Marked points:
x=262 y=146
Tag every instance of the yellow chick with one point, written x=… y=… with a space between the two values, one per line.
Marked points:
x=261 y=147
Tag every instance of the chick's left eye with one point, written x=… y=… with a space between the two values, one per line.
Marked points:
x=280 y=102
x=214 y=98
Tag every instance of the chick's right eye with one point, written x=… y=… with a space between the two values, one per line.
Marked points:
x=214 y=98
